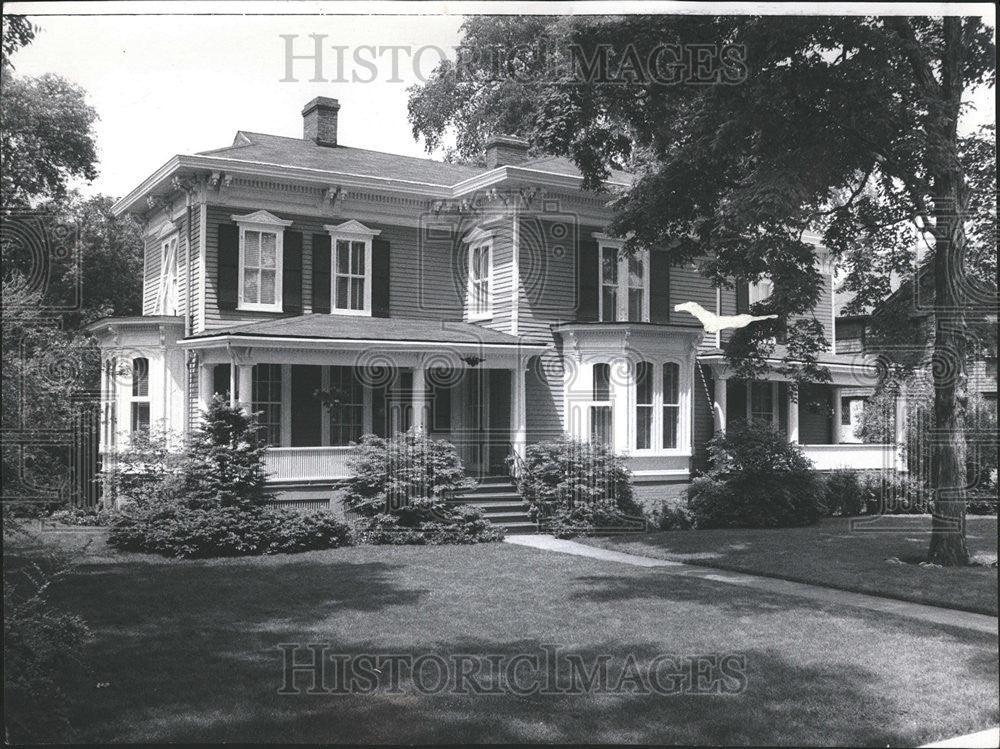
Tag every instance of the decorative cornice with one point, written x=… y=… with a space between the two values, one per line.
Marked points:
x=260 y=218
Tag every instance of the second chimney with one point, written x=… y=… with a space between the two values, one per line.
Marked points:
x=504 y=150
x=319 y=121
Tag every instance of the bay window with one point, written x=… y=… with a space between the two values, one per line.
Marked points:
x=140 y=395
x=644 y=406
x=671 y=405
x=624 y=283
x=600 y=410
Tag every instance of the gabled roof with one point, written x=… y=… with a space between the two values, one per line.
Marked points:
x=284 y=151
x=357 y=328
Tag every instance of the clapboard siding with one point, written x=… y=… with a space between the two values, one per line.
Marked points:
x=192 y=267
x=422 y=277
x=547 y=277
x=544 y=397
x=687 y=284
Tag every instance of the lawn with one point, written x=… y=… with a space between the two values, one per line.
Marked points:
x=839 y=553
x=188 y=651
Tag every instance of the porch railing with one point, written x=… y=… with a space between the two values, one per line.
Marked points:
x=854 y=455
x=307 y=463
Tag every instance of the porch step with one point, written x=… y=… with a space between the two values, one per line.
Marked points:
x=497 y=498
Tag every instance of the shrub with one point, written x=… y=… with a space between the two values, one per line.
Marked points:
x=757 y=479
x=213 y=505
x=42 y=646
x=844 y=493
x=400 y=489
x=174 y=530
x=573 y=487
x=671 y=515
x=84 y=516
x=144 y=469
x=224 y=466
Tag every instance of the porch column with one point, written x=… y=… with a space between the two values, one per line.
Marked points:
x=233 y=382
x=246 y=386
x=719 y=404
x=286 y=405
x=419 y=397
x=206 y=381
x=793 y=416
x=838 y=416
x=518 y=410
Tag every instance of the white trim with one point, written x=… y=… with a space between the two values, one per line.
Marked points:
x=621 y=280
x=351 y=231
x=480 y=235
x=471 y=282
x=261 y=218
x=325 y=343
x=262 y=226
x=515 y=273
x=169 y=246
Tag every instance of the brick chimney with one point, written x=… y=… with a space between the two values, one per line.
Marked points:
x=504 y=150
x=319 y=121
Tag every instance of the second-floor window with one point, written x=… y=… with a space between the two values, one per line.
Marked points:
x=351 y=268
x=624 y=285
x=167 y=301
x=261 y=251
x=480 y=278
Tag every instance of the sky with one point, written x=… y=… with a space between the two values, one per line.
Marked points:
x=176 y=83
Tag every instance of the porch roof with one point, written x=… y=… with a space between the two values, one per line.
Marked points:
x=326 y=327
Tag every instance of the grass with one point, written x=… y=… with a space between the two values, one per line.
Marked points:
x=844 y=553
x=188 y=651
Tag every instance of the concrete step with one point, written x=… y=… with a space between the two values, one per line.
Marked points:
x=491 y=508
x=517 y=529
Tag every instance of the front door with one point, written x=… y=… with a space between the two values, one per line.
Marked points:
x=476 y=421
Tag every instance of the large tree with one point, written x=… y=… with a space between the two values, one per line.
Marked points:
x=47 y=137
x=843 y=125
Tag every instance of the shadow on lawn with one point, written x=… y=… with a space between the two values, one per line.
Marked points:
x=189 y=652
x=783 y=702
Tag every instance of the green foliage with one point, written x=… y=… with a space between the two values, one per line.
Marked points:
x=42 y=650
x=400 y=489
x=573 y=487
x=47 y=138
x=224 y=465
x=671 y=515
x=17 y=32
x=145 y=469
x=83 y=516
x=757 y=479
x=211 y=500
x=845 y=493
x=176 y=530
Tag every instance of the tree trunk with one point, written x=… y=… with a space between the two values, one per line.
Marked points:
x=951 y=300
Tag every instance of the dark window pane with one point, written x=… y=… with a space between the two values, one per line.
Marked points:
x=140 y=377
x=602 y=382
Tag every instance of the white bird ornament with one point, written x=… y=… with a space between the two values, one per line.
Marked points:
x=713 y=323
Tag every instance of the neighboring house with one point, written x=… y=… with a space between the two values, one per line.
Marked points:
x=911 y=307
x=485 y=305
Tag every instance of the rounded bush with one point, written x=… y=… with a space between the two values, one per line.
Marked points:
x=573 y=487
x=757 y=479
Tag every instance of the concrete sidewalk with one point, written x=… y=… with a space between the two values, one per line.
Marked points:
x=923 y=612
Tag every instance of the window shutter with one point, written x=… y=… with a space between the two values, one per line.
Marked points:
x=659 y=287
x=321 y=273
x=742 y=297
x=588 y=280
x=228 y=267
x=380 y=277
x=291 y=269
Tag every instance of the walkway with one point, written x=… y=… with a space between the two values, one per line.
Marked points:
x=923 y=612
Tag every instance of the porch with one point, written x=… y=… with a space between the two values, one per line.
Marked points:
x=315 y=396
x=823 y=419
